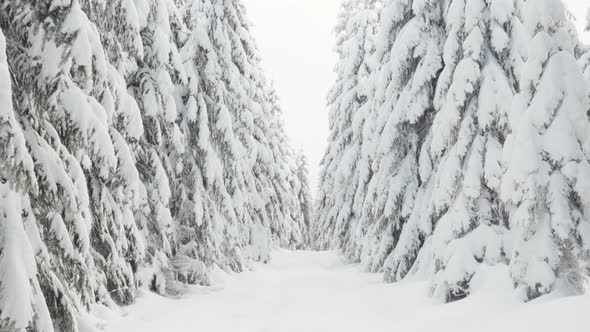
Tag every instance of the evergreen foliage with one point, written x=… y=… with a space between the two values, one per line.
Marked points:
x=140 y=145
x=467 y=148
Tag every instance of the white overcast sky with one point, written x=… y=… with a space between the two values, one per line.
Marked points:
x=296 y=43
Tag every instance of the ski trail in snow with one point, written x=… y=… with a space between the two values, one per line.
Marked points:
x=311 y=291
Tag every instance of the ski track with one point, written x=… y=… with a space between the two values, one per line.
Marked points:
x=311 y=291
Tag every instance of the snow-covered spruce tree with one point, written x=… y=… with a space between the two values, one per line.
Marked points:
x=464 y=220
x=118 y=27
x=584 y=59
x=97 y=98
x=51 y=54
x=545 y=186
x=117 y=22
x=288 y=223
x=408 y=57
x=408 y=53
x=22 y=305
x=305 y=202
x=246 y=91
x=282 y=193
x=348 y=105
x=326 y=178
x=16 y=165
x=200 y=220
x=229 y=92
x=217 y=151
x=253 y=127
x=113 y=188
x=204 y=208
x=159 y=152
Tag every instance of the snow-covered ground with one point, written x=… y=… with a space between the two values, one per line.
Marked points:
x=310 y=291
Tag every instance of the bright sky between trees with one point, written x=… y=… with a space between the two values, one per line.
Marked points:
x=579 y=8
x=300 y=59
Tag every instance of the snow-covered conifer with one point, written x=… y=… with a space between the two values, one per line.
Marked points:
x=22 y=304
x=408 y=52
x=51 y=66
x=348 y=97
x=545 y=186
x=305 y=202
x=158 y=155
x=118 y=25
x=286 y=215
x=215 y=148
x=229 y=120
x=473 y=98
x=584 y=60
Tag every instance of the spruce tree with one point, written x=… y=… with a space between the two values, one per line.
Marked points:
x=158 y=153
x=287 y=216
x=584 y=59
x=347 y=100
x=47 y=42
x=547 y=159
x=229 y=91
x=22 y=304
x=305 y=202
x=408 y=53
x=216 y=149
x=473 y=99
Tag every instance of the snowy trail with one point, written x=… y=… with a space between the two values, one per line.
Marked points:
x=309 y=291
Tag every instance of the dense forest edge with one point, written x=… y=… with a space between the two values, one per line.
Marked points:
x=141 y=145
x=460 y=142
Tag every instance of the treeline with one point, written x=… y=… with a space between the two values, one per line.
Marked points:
x=140 y=145
x=460 y=140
